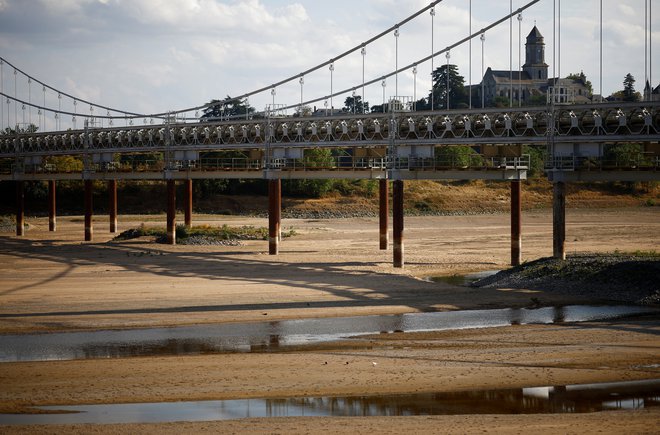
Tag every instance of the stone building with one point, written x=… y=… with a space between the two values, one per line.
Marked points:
x=651 y=94
x=531 y=85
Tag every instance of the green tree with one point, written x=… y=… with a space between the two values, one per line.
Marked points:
x=500 y=101
x=355 y=105
x=455 y=92
x=629 y=93
x=21 y=130
x=457 y=156
x=229 y=107
x=583 y=78
x=422 y=104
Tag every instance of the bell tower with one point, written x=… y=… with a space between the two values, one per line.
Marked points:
x=535 y=64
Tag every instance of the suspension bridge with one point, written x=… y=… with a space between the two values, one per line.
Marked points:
x=399 y=143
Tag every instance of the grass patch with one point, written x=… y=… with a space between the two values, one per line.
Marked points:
x=202 y=233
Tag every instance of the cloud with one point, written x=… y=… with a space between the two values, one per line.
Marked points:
x=150 y=55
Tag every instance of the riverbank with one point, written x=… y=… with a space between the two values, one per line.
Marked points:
x=611 y=277
x=55 y=282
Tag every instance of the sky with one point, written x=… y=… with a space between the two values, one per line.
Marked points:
x=151 y=56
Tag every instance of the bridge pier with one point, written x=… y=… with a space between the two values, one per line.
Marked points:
x=397 y=221
x=52 y=209
x=112 y=193
x=89 y=230
x=559 y=220
x=171 y=212
x=20 y=208
x=189 y=203
x=516 y=223
x=274 y=215
x=384 y=193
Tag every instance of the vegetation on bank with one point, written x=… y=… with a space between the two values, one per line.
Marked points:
x=202 y=234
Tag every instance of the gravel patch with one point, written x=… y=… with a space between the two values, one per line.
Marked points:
x=615 y=277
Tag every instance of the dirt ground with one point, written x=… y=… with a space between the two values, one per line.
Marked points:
x=54 y=281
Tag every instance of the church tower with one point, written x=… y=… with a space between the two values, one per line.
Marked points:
x=535 y=64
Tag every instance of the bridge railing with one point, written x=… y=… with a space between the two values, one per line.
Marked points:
x=238 y=164
x=639 y=162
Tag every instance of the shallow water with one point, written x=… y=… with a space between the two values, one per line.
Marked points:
x=538 y=400
x=272 y=336
x=463 y=280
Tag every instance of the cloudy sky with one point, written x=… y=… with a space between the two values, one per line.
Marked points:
x=149 y=56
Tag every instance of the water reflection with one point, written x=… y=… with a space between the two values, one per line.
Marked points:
x=538 y=400
x=272 y=336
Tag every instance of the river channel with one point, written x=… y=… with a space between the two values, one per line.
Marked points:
x=277 y=335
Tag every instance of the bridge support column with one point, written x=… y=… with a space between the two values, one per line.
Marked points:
x=171 y=212
x=274 y=215
x=20 y=208
x=89 y=230
x=384 y=206
x=397 y=222
x=516 y=223
x=52 y=209
x=559 y=220
x=112 y=206
x=189 y=204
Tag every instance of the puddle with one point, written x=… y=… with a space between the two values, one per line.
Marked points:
x=538 y=400
x=463 y=280
x=273 y=336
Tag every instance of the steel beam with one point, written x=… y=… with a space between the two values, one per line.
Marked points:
x=112 y=206
x=89 y=207
x=516 y=223
x=189 y=203
x=171 y=212
x=384 y=211
x=20 y=208
x=274 y=214
x=559 y=220
x=397 y=222
x=52 y=208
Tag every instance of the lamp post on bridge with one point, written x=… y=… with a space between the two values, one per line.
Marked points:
x=354 y=103
x=396 y=63
x=302 y=83
x=364 y=53
x=273 y=92
x=332 y=69
x=520 y=18
x=447 y=55
x=482 y=38
x=414 y=71
x=383 y=84
x=432 y=59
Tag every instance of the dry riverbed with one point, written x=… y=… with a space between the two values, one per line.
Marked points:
x=55 y=282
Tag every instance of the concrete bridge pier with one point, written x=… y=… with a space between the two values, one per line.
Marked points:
x=397 y=221
x=516 y=223
x=89 y=230
x=384 y=193
x=171 y=212
x=20 y=208
x=52 y=209
x=559 y=220
x=112 y=193
x=189 y=204
x=274 y=215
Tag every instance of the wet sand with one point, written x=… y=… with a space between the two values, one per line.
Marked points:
x=54 y=281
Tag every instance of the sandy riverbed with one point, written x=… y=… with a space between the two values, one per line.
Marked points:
x=54 y=281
